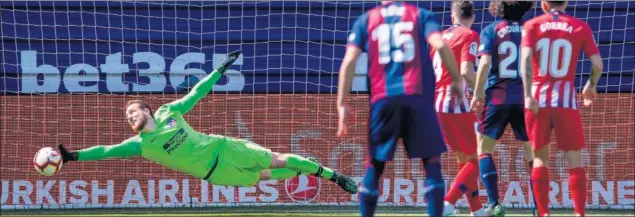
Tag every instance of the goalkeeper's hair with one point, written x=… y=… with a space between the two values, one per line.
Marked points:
x=464 y=8
x=510 y=9
x=142 y=104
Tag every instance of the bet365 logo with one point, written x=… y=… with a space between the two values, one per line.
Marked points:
x=110 y=76
x=303 y=189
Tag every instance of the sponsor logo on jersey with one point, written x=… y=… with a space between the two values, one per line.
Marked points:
x=351 y=37
x=481 y=48
x=171 y=122
x=473 y=48
x=303 y=189
x=176 y=141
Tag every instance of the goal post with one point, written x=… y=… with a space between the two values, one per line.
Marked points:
x=67 y=69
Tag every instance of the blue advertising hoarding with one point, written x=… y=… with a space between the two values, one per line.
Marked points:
x=288 y=47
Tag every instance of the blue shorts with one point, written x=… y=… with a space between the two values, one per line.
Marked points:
x=409 y=118
x=494 y=119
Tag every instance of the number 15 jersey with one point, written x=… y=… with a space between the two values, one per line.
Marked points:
x=395 y=37
x=557 y=40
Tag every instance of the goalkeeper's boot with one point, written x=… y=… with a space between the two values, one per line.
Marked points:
x=344 y=182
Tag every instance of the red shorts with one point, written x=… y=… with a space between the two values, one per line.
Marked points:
x=459 y=131
x=564 y=121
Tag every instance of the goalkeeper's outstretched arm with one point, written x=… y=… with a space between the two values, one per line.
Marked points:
x=127 y=148
x=204 y=86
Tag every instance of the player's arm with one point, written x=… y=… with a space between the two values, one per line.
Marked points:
x=432 y=32
x=128 y=148
x=526 y=69
x=447 y=57
x=468 y=57
x=200 y=90
x=593 y=53
x=355 y=45
x=356 y=42
x=526 y=54
x=347 y=72
x=484 y=63
x=596 y=70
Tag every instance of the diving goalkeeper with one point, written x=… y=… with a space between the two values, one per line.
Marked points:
x=166 y=138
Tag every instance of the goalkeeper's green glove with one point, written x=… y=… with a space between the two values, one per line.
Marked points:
x=229 y=60
x=66 y=155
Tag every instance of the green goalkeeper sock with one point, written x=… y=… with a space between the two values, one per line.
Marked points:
x=301 y=164
x=280 y=174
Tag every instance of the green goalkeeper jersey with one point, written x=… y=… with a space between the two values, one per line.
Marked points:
x=173 y=143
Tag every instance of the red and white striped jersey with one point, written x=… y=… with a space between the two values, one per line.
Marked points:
x=557 y=40
x=445 y=101
x=557 y=94
x=464 y=45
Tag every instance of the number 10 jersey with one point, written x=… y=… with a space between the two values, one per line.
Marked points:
x=557 y=40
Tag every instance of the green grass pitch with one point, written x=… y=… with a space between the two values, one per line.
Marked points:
x=277 y=211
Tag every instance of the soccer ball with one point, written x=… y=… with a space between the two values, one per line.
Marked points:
x=47 y=161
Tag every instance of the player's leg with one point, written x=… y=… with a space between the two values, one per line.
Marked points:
x=465 y=182
x=517 y=120
x=301 y=164
x=247 y=160
x=383 y=133
x=459 y=134
x=493 y=121
x=423 y=139
x=435 y=186
x=539 y=132
x=241 y=163
x=278 y=174
x=570 y=138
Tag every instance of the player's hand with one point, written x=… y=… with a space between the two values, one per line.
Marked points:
x=531 y=104
x=229 y=60
x=344 y=112
x=66 y=155
x=478 y=100
x=589 y=93
x=457 y=90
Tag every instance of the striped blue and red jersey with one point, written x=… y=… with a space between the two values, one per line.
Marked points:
x=501 y=40
x=395 y=37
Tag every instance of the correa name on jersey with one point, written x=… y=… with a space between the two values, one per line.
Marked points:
x=562 y=26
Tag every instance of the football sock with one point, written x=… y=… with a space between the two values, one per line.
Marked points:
x=369 y=191
x=473 y=201
x=435 y=186
x=459 y=187
x=301 y=164
x=487 y=169
x=577 y=185
x=540 y=180
x=282 y=173
x=530 y=165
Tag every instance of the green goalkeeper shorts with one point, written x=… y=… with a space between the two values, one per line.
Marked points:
x=240 y=163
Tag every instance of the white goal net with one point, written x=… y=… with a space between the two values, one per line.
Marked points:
x=67 y=69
